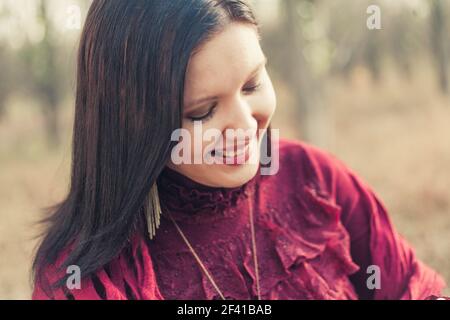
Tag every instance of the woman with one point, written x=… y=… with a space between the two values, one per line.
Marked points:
x=138 y=223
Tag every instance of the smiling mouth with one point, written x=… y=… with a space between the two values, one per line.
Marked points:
x=236 y=153
x=231 y=154
x=237 y=157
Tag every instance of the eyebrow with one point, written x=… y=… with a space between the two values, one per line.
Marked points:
x=204 y=99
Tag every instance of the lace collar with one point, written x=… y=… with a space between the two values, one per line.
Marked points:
x=187 y=199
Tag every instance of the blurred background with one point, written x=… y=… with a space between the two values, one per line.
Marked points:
x=367 y=83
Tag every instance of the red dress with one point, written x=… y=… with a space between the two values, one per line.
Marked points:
x=318 y=228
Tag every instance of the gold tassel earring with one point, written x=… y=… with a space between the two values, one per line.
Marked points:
x=154 y=212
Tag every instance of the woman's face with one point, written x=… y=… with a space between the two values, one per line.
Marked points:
x=227 y=88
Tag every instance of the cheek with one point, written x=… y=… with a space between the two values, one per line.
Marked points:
x=203 y=137
x=267 y=102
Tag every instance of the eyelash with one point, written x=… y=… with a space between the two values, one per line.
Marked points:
x=207 y=116
x=253 y=88
x=212 y=110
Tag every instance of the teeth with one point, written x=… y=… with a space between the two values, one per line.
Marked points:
x=231 y=154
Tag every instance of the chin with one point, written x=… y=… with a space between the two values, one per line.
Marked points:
x=232 y=177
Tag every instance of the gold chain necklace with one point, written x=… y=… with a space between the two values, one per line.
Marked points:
x=203 y=267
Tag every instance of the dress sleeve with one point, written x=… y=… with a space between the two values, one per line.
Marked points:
x=374 y=239
x=96 y=287
x=130 y=276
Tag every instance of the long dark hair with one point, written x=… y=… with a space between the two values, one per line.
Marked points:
x=132 y=61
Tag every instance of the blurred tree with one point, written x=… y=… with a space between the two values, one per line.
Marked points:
x=5 y=82
x=372 y=53
x=348 y=37
x=286 y=45
x=45 y=78
x=439 y=42
x=402 y=42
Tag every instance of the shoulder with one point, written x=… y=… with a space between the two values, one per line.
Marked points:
x=319 y=172
x=129 y=276
x=59 y=281
x=302 y=165
x=310 y=163
x=295 y=153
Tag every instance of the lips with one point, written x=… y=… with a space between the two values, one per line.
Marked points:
x=239 y=156
x=240 y=151
x=236 y=152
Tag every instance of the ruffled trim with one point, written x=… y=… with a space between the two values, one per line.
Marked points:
x=316 y=257
x=188 y=200
x=310 y=262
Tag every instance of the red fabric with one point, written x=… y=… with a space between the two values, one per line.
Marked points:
x=128 y=277
x=318 y=227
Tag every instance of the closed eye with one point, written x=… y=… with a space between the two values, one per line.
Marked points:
x=252 y=88
x=205 y=116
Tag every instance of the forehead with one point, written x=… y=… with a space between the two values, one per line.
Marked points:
x=224 y=61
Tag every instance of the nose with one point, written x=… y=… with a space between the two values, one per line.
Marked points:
x=242 y=121
x=242 y=115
